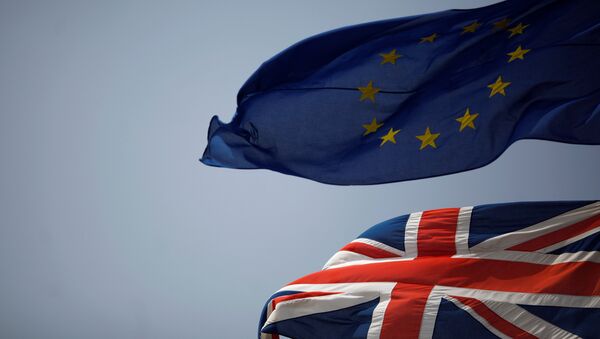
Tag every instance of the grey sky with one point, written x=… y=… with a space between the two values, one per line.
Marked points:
x=111 y=228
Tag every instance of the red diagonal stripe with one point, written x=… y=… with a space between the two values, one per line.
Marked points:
x=559 y=235
x=494 y=319
x=368 y=250
x=282 y=298
x=437 y=232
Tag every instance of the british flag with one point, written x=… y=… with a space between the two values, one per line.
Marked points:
x=516 y=270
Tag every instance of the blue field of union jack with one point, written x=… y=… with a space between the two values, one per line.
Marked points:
x=514 y=270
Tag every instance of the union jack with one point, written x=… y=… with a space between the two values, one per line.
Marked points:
x=515 y=270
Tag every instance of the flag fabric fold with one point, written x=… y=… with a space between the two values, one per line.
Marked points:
x=526 y=270
x=420 y=96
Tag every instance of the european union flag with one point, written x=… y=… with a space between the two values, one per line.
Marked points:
x=419 y=96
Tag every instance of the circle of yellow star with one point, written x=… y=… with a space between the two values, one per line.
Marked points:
x=502 y=24
x=518 y=53
x=390 y=136
x=471 y=28
x=372 y=127
x=498 y=87
x=428 y=139
x=518 y=29
x=368 y=92
x=467 y=120
x=390 y=57
x=429 y=38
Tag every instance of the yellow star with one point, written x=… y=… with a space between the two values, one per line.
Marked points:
x=390 y=136
x=390 y=57
x=368 y=92
x=498 y=87
x=518 y=29
x=429 y=38
x=517 y=54
x=471 y=28
x=502 y=24
x=428 y=139
x=372 y=127
x=467 y=120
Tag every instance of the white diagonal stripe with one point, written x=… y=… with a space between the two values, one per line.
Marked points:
x=571 y=240
x=527 y=321
x=477 y=317
x=508 y=240
x=344 y=257
x=347 y=295
x=380 y=245
x=295 y=308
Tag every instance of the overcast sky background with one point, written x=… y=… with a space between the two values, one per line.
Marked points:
x=109 y=225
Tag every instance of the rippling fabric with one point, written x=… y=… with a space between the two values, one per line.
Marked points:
x=419 y=96
x=503 y=270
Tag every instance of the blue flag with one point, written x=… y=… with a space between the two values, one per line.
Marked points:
x=419 y=96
